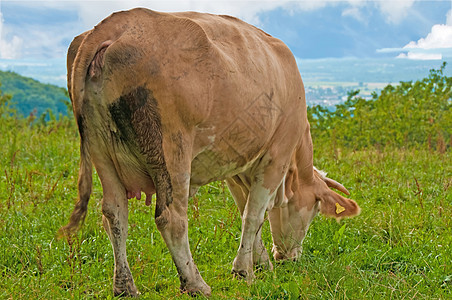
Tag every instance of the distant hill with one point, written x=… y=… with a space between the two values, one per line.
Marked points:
x=29 y=94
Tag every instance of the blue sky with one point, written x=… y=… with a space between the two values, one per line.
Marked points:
x=39 y=32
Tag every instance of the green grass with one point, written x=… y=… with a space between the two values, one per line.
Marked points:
x=398 y=248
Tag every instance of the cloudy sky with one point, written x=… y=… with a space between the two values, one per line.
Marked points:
x=411 y=29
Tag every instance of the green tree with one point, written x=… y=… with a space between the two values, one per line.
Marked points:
x=411 y=114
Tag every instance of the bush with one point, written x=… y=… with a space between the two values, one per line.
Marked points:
x=410 y=114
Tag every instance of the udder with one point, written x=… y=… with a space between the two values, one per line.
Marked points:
x=135 y=179
x=136 y=185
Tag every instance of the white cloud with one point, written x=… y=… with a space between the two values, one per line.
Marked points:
x=420 y=56
x=395 y=11
x=353 y=12
x=449 y=18
x=11 y=49
x=439 y=37
x=91 y=12
x=435 y=45
x=10 y=46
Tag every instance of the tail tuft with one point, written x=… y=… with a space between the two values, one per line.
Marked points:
x=76 y=220
x=85 y=182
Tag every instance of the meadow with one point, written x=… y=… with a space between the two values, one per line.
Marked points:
x=399 y=247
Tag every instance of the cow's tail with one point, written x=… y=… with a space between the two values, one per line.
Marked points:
x=85 y=60
x=88 y=61
x=85 y=182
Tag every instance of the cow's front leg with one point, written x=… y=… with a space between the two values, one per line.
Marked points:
x=115 y=218
x=240 y=194
x=171 y=220
x=252 y=220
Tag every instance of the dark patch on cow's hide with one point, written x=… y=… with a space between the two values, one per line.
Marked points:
x=129 y=110
x=121 y=114
x=138 y=120
x=146 y=123
x=164 y=191
x=81 y=127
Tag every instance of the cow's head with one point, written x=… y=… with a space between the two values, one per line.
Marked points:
x=306 y=196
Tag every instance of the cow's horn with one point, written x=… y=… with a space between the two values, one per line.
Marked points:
x=336 y=185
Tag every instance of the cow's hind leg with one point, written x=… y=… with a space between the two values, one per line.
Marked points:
x=240 y=192
x=171 y=220
x=115 y=218
x=172 y=181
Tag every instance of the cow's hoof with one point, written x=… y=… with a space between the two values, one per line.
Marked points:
x=127 y=293
x=127 y=290
x=244 y=274
x=242 y=267
x=197 y=289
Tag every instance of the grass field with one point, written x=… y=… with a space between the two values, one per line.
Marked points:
x=400 y=247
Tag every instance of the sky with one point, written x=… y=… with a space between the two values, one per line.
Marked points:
x=411 y=29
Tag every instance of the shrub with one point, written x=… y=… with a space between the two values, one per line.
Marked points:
x=411 y=114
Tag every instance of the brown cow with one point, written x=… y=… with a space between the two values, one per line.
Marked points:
x=167 y=102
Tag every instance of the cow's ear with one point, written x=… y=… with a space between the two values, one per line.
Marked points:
x=334 y=205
